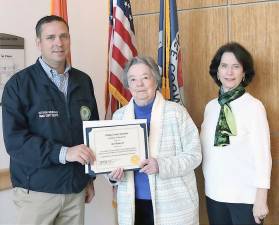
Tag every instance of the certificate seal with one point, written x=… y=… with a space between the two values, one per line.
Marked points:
x=135 y=160
x=85 y=113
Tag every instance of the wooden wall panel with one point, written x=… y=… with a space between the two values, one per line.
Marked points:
x=274 y=136
x=145 y=6
x=244 y=1
x=153 y=6
x=201 y=33
x=190 y=4
x=146 y=29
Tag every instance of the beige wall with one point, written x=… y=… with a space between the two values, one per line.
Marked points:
x=204 y=26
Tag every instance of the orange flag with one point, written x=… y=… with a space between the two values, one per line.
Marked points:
x=59 y=8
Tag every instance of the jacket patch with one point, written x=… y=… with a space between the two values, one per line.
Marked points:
x=47 y=114
x=85 y=113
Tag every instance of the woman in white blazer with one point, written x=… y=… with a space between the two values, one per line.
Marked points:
x=235 y=143
x=163 y=191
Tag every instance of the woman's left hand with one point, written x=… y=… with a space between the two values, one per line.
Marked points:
x=260 y=209
x=149 y=166
x=116 y=175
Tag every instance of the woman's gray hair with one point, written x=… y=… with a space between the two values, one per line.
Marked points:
x=148 y=61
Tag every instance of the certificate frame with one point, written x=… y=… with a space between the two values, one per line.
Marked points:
x=116 y=143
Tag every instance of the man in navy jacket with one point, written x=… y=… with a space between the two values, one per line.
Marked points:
x=43 y=107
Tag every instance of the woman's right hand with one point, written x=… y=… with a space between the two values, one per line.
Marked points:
x=116 y=175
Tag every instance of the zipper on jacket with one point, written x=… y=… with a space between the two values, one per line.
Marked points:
x=67 y=109
x=67 y=100
x=28 y=184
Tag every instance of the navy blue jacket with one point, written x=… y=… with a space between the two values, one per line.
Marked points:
x=37 y=121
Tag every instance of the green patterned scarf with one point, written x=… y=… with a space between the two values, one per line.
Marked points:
x=226 y=123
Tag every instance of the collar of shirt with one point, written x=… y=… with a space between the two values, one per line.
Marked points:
x=52 y=73
x=60 y=80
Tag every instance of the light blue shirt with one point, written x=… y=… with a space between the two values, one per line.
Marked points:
x=60 y=80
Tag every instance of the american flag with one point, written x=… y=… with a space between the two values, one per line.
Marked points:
x=169 y=54
x=121 y=49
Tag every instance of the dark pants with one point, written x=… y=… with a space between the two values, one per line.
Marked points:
x=221 y=213
x=144 y=212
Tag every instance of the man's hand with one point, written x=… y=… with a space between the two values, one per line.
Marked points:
x=80 y=153
x=89 y=192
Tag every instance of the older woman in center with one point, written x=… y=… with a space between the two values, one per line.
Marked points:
x=164 y=190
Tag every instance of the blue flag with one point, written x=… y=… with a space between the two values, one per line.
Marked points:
x=169 y=54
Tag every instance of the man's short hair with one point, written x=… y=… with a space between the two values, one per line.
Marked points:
x=48 y=19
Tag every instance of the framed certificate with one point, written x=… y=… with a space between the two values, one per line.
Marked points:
x=116 y=143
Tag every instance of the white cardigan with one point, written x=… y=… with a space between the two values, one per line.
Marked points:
x=234 y=172
x=174 y=142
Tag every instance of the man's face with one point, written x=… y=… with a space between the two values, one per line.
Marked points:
x=54 y=43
